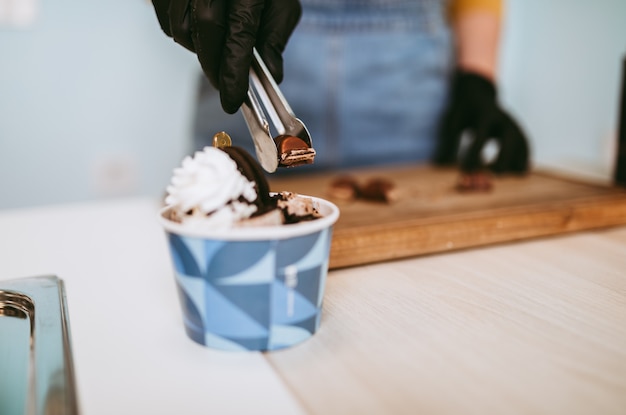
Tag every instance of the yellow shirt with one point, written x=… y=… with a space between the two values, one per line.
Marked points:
x=458 y=7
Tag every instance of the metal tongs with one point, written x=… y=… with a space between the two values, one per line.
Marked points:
x=264 y=92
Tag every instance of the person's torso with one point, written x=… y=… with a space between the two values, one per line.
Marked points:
x=367 y=15
x=368 y=77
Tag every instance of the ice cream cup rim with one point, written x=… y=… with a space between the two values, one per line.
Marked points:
x=330 y=216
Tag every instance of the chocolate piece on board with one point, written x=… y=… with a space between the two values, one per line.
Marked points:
x=474 y=182
x=344 y=188
x=379 y=189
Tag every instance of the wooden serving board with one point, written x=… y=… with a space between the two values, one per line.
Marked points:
x=432 y=216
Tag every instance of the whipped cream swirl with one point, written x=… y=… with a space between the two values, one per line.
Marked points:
x=209 y=190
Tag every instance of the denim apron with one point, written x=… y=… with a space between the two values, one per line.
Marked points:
x=369 y=78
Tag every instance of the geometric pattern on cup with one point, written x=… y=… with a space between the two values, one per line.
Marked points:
x=254 y=295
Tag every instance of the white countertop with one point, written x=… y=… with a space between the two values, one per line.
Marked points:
x=131 y=353
x=530 y=327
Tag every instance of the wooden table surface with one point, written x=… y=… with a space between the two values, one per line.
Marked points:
x=534 y=327
x=531 y=327
x=431 y=216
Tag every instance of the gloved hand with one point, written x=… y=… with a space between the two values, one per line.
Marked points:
x=222 y=34
x=474 y=108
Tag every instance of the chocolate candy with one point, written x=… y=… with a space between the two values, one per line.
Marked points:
x=293 y=151
x=474 y=182
x=287 y=143
x=344 y=188
x=379 y=189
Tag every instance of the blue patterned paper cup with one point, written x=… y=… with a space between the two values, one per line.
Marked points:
x=252 y=288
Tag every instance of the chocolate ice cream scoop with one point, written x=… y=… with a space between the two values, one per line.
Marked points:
x=289 y=207
x=252 y=171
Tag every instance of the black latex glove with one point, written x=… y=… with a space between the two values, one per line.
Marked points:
x=222 y=34
x=474 y=108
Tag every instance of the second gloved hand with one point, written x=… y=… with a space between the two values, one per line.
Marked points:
x=474 y=109
x=222 y=33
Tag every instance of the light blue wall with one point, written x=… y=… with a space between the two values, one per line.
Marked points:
x=96 y=81
x=561 y=74
x=90 y=81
